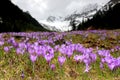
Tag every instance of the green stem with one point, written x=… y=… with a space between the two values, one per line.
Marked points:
x=33 y=68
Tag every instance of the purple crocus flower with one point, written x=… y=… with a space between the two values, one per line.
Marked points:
x=38 y=50
x=111 y=66
x=56 y=47
x=69 y=53
x=20 y=51
x=101 y=65
x=52 y=66
x=6 y=49
x=22 y=74
x=61 y=60
x=15 y=44
x=109 y=59
x=1 y=43
x=104 y=53
x=103 y=60
x=78 y=58
x=87 y=61
x=31 y=50
x=88 y=50
x=33 y=58
x=93 y=57
x=62 y=50
x=22 y=45
x=112 y=50
x=87 y=68
x=118 y=62
x=11 y=40
x=48 y=57
x=50 y=49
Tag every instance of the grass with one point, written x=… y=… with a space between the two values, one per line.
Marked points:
x=12 y=65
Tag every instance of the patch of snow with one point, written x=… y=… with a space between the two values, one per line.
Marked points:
x=59 y=25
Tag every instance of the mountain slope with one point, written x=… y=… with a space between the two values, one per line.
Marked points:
x=108 y=17
x=67 y=23
x=14 y=19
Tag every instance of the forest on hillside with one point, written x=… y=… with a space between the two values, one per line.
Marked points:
x=109 y=19
x=12 y=18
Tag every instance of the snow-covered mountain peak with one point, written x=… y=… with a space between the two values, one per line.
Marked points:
x=64 y=23
x=90 y=7
x=53 y=19
x=109 y=4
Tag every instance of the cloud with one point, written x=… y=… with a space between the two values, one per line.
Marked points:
x=37 y=8
x=41 y=9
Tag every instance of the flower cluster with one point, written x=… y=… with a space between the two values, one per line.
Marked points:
x=41 y=44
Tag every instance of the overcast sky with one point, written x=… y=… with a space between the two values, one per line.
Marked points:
x=41 y=9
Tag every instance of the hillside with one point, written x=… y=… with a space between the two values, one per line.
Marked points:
x=104 y=19
x=12 y=18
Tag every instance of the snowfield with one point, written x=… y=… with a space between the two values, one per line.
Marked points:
x=57 y=25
